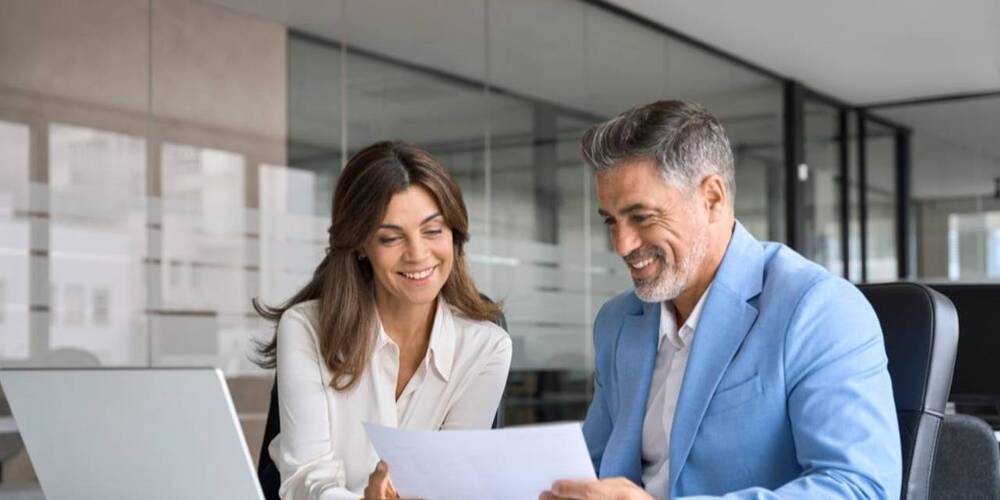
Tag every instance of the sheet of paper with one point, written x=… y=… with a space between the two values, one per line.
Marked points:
x=517 y=463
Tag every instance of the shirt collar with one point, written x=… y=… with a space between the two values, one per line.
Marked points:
x=680 y=337
x=441 y=350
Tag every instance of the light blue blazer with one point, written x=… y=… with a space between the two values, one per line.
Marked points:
x=786 y=393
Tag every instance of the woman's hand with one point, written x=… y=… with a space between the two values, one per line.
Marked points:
x=379 y=485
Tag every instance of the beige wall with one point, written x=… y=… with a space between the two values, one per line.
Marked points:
x=178 y=60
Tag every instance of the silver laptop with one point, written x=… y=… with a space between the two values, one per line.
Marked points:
x=105 y=434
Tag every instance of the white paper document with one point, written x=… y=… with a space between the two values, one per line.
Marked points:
x=506 y=464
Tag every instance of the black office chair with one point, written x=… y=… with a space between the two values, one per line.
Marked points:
x=267 y=472
x=920 y=327
x=967 y=461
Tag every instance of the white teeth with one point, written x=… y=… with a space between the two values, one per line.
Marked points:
x=419 y=276
x=642 y=263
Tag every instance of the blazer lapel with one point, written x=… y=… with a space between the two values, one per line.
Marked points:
x=725 y=321
x=635 y=359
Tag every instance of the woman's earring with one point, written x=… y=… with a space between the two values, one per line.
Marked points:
x=361 y=256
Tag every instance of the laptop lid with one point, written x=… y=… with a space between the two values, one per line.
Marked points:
x=120 y=433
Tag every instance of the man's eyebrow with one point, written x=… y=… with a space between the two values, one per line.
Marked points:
x=425 y=221
x=635 y=207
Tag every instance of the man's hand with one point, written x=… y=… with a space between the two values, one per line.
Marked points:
x=617 y=488
x=379 y=485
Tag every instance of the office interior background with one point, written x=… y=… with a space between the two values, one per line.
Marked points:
x=163 y=162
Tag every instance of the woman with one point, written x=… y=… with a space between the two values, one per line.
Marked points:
x=390 y=330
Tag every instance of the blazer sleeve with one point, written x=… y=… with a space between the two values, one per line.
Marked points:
x=303 y=454
x=840 y=401
x=598 y=424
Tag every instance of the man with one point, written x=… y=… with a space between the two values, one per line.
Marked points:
x=734 y=368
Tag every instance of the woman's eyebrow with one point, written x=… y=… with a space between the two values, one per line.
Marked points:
x=430 y=218
x=425 y=221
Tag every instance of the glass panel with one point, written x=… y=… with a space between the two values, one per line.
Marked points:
x=880 y=170
x=536 y=224
x=855 y=262
x=292 y=233
x=822 y=187
x=660 y=67
x=202 y=298
x=15 y=144
x=955 y=166
x=315 y=131
x=97 y=243
x=89 y=268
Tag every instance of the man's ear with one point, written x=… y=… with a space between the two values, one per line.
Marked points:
x=715 y=196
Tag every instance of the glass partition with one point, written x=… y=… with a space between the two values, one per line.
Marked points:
x=822 y=186
x=954 y=184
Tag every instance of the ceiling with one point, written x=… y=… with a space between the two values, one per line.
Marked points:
x=859 y=51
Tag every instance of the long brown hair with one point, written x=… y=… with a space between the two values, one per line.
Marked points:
x=344 y=284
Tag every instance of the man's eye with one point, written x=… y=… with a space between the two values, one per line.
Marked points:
x=639 y=218
x=609 y=222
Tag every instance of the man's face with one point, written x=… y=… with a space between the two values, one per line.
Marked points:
x=660 y=231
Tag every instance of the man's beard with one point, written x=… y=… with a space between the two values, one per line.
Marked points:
x=672 y=279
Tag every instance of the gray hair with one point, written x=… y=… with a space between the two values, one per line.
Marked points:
x=685 y=141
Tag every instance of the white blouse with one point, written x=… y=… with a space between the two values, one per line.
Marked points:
x=322 y=452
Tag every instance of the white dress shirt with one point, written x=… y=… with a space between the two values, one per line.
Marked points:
x=322 y=452
x=671 y=361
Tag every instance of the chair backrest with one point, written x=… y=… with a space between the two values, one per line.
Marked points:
x=967 y=461
x=267 y=472
x=920 y=327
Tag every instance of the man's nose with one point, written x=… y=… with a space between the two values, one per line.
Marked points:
x=626 y=240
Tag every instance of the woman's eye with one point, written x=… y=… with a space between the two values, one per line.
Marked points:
x=386 y=240
x=433 y=232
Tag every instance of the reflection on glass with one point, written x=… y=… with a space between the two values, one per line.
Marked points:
x=14 y=241
x=314 y=116
x=292 y=233
x=855 y=263
x=202 y=301
x=97 y=240
x=880 y=170
x=955 y=164
x=822 y=187
x=974 y=246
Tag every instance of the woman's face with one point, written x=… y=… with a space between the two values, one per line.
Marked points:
x=411 y=252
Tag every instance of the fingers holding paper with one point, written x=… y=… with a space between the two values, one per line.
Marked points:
x=617 y=488
x=379 y=484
